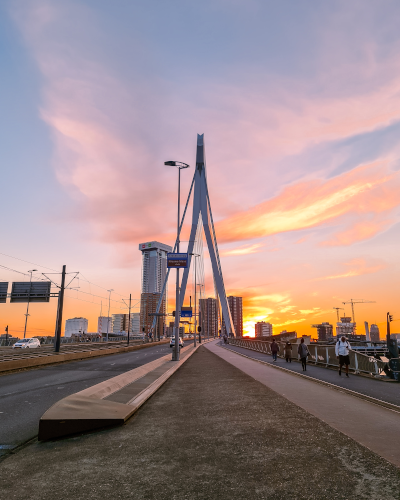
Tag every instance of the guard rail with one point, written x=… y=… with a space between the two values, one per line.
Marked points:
x=320 y=355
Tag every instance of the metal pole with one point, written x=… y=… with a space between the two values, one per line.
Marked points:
x=195 y=301
x=108 y=316
x=175 y=354
x=129 y=318
x=29 y=296
x=57 y=337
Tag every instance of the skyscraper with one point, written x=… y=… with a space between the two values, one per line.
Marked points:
x=208 y=316
x=236 y=307
x=154 y=260
x=154 y=264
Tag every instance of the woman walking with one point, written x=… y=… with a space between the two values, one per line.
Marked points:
x=303 y=353
x=288 y=352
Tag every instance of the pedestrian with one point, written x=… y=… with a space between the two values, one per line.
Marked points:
x=342 y=349
x=225 y=338
x=303 y=353
x=288 y=352
x=274 y=350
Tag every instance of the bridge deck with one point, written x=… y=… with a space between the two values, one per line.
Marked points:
x=210 y=432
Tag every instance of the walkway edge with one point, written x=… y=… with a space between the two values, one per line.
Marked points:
x=370 y=399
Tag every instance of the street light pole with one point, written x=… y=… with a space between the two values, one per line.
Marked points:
x=195 y=296
x=29 y=296
x=180 y=166
x=108 y=316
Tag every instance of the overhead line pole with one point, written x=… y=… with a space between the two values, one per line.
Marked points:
x=57 y=337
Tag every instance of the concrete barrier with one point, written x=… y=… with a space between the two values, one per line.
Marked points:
x=88 y=410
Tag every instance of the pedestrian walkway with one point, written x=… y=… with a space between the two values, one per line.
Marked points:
x=210 y=432
x=388 y=391
x=371 y=425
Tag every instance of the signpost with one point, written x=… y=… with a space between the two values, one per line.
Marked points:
x=177 y=260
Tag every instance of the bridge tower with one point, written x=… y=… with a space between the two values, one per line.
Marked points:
x=202 y=208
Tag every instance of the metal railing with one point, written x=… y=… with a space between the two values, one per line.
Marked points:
x=320 y=355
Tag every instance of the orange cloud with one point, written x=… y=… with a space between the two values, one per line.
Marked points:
x=365 y=190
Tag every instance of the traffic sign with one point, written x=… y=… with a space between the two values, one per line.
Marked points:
x=186 y=312
x=177 y=260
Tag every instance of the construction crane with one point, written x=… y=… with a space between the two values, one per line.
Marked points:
x=357 y=301
x=337 y=311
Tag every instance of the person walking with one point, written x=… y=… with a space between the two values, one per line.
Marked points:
x=303 y=352
x=342 y=349
x=274 y=350
x=288 y=352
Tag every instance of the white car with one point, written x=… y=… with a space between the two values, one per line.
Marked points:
x=172 y=342
x=27 y=344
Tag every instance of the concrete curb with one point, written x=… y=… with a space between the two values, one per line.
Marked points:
x=87 y=410
x=370 y=399
x=8 y=366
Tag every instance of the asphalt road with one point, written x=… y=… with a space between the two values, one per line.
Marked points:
x=385 y=391
x=25 y=396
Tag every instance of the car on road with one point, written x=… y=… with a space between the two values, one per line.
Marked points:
x=26 y=344
x=172 y=342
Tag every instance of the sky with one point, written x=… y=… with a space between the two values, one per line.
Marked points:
x=299 y=103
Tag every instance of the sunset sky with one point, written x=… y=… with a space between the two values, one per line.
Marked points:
x=299 y=102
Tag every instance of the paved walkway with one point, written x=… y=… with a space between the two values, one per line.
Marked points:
x=211 y=432
x=388 y=391
x=369 y=424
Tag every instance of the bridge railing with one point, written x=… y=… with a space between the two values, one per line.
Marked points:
x=320 y=355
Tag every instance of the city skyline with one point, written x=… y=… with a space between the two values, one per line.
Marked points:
x=301 y=121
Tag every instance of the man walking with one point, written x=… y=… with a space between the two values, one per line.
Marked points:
x=303 y=352
x=274 y=350
x=342 y=353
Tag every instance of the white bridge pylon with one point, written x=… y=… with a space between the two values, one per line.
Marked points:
x=202 y=208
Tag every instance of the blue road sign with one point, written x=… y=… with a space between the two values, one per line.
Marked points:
x=176 y=260
x=186 y=312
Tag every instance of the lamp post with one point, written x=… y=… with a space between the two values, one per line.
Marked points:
x=200 y=285
x=108 y=316
x=180 y=166
x=29 y=296
x=195 y=300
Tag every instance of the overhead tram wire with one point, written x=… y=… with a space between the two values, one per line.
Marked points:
x=50 y=269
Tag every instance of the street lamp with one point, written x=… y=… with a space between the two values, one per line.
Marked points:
x=108 y=316
x=195 y=300
x=180 y=166
x=200 y=285
x=29 y=296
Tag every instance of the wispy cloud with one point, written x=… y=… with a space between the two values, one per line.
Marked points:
x=358 y=267
x=371 y=189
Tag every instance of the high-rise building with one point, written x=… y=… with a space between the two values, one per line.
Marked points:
x=104 y=325
x=75 y=326
x=148 y=307
x=263 y=329
x=154 y=265
x=236 y=307
x=208 y=317
x=325 y=331
x=374 y=333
